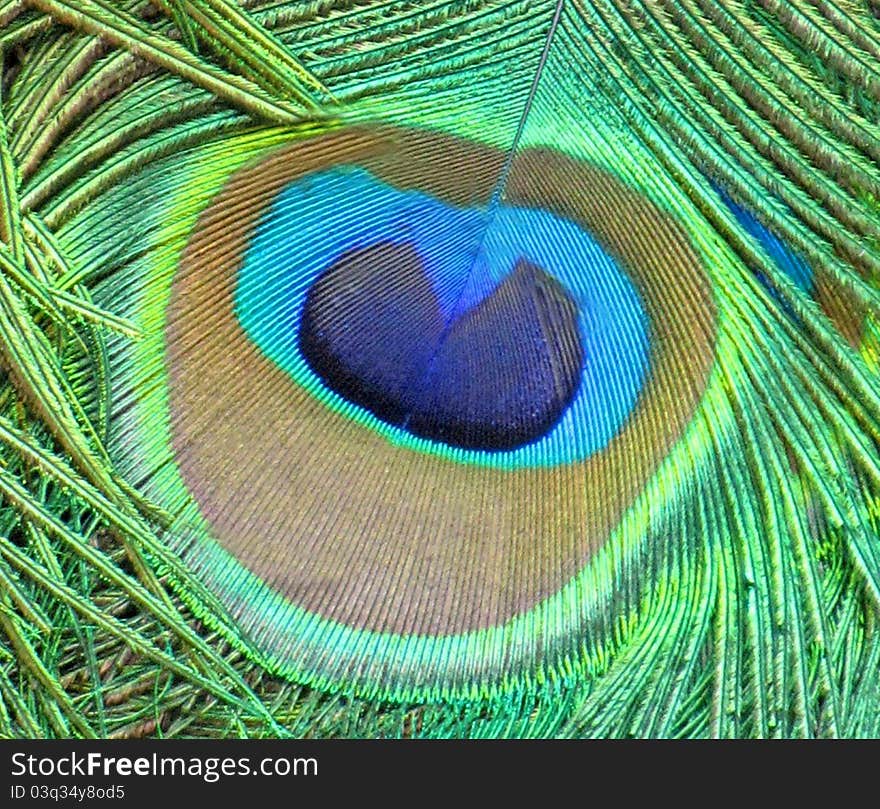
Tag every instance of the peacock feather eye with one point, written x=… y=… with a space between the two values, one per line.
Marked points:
x=413 y=410
x=440 y=368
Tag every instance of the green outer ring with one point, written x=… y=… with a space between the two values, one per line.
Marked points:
x=576 y=606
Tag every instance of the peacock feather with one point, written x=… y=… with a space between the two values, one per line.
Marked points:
x=440 y=368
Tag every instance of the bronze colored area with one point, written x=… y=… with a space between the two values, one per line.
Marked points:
x=842 y=307
x=358 y=530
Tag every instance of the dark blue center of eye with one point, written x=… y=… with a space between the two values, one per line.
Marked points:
x=495 y=376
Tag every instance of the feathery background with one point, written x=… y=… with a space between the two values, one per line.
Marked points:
x=724 y=154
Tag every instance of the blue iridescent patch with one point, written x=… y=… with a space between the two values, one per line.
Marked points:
x=785 y=259
x=466 y=255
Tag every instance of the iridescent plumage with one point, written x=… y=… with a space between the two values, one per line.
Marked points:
x=471 y=369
